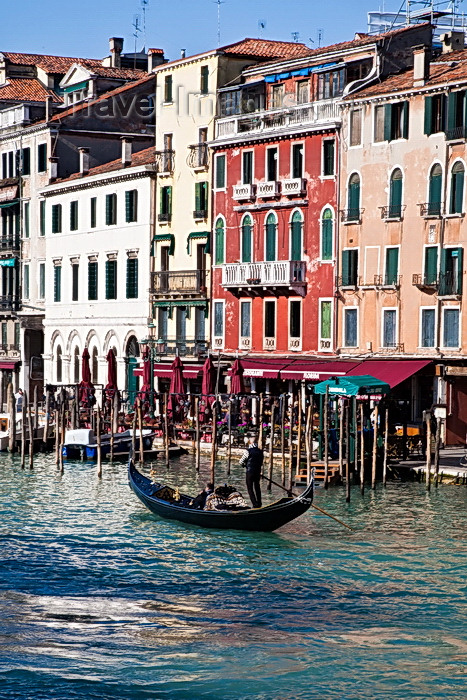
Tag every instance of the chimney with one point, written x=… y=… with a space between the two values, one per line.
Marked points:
x=116 y=48
x=48 y=107
x=155 y=58
x=53 y=168
x=452 y=41
x=83 y=161
x=126 y=150
x=421 y=65
x=182 y=53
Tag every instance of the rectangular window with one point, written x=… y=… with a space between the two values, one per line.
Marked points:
x=41 y=280
x=325 y=324
x=93 y=205
x=430 y=272
x=277 y=96
x=396 y=121
x=218 y=319
x=132 y=278
x=26 y=281
x=389 y=328
x=42 y=217
x=350 y=268
x=328 y=158
x=200 y=324
x=435 y=110
x=295 y=319
x=392 y=266
x=247 y=167
x=92 y=281
x=269 y=319
x=42 y=158
x=456 y=114
x=131 y=206
x=378 y=134
x=220 y=172
x=427 y=336
x=180 y=324
x=74 y=215
x=165 y=213
x=451 y=272
x=56 y=218
x=297 y=160
x=245 y=319
x=74 y=282
x=450 y=328
x=17 y=335
x=57 y=283
x=355 y=127
x=204 y=81
x=168 y=88
x=11 y=164
x=26 y=220
x=163 y=322
x=110 y=209
x=26 y=161
x=351 y=328
x=201 y=200
x=4 y=165
x=272 y=155
x=303 y=92
x=110 y=279
x=4 y=333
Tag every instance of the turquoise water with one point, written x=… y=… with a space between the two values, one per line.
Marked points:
x=100 y=599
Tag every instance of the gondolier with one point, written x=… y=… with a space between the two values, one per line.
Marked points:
x=252 y=459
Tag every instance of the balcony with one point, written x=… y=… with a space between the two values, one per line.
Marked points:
x=347 y=282
x=391 y=281
x=165 y=162
x=184 y=348
x=450 y=284
x=9 y=302
x=200 y=214
x=458 y=133
x=393 y=212
x=9 y=244
x=280 y=119
x=241 y=192
x=15 y=116
x=288 y=274
x=431 y=210
x=351 y=216
x=198 y=156
x=425 y=282
x=268 y=189
x=164 y=218
x=293 y=187
x=179 y=283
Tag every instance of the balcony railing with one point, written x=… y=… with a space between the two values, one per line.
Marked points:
x=459 y=132
x=9 y=243
x=393 y=281
x=450 y=284
x=294 y=186
x=268 y=189
x=200 y=214
x=9 y=302
x=278 y=273
x=425 y=281
x=179 y=283
x=392 y=212
x=431 y=209
x=198 y=157
x=350 y=281
x=272 y=120
x=351 y=216
x=165 y=217
x=243 y=192
x=14 y=116
x=192 y=347
x=165 y=161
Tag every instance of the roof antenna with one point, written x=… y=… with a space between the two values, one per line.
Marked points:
x=136 y=30
x=219 y=3
x=144 y=5
x=320 y=34
x=295 y=37
x=261 y=27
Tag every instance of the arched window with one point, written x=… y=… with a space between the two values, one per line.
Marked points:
x=434 y=191
x=76 y=364
x=296 y=228
x=59 y=364
x=457 y=189
x=353 y=202
x=271 y=231
x=219 y=242
x=327 y=226
x=247 y=225
x=94 y=369
x=395 y=194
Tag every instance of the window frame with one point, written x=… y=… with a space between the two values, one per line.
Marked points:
x=267 y=151
x=384 y=310
x=57 y=218
x=74 y=215
x=220 y=156
x=168 y=89
x=443 y=327
x=217 y=260
x=321 y=339
x=41 y=153
x=218 y=303
x=324 y=175
x=268 y=214
x=241 y=338
x=293 y=147
x=321 y=229
x=108 y=290
x=132 y=278
x=345 y=311
x=245 y=216
x=273 y=338
x=111 y=203
x=453 y=189
x=294 y=341
x=242 y=173
x=420 y=326
x=353 y=111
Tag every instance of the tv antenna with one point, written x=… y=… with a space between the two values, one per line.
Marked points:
x=320 y=35
x=136 y=32
x=219 y=3
x=295 y=37
x=144 y=6
x=261 y=27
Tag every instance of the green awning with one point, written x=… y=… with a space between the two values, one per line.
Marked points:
x=172 y=304
x=159 y=237
x=7 y=262
x=4 y=205
x=353 y=386
x=196 y=235
x=76 y=86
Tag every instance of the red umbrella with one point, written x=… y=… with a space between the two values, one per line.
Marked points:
x=86 y=387
x=177 y=388
x=236 y=378
x=111 y=387
x=144 y=392
x=208 y=386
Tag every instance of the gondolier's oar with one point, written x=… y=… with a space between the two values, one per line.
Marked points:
x=296 y=495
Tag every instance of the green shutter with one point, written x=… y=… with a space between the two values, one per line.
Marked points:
x=92 y=281
x=57 y=283
x=132 y=278
x=326 y=235
x=26 y=220
x=392 y=265
x=387 y=122
x=220 y=172
x=73 y=216
x=434 y=194
x=354 y=201
x=169 y=201
x=460 y=269
x=296 y=238
x=111 y=279
x=405 y=120
x=395 y=195
x=246 y=240
x=452 y=103
x=270 y=238
x=110 y=209
x=428 y=116
x=345 y=268
x=128 y=207
x=325 y=320
x=26 y=161
x=219 y=243
x=197 y=196
x=42 y=217
x=93 y=211
x=431 y=264
x=443 y=273
x=56 y=218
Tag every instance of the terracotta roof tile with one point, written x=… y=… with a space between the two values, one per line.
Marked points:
x=144 y=157
x=26 y=90
x=265 y=48
x=50 y=64
x=97 y=68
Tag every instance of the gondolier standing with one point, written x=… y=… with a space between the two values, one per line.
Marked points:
x=252 y=459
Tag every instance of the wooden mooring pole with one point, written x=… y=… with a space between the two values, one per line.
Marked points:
x=428 y=450
x=12 y=422
x=23 y=430
x=229 y=436
x=437 y=448
x=283 y=439
x=348 y=413
x=214 y=441
x=197 y=435
x=166 y=431
x=98 y=438
x=291 y=450
x=261 y=430
x=140 y=427
x=47 y=417
x=375 y=447
x=385 y=455
x=362 y=453
x=271 y=446
x=31 y=437
x=326 y=439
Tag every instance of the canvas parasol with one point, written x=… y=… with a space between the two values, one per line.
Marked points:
x=111 y=388
x=208 y=387
x=144 y=392
x=236 y=379
x=177 y=389
x=86 y=387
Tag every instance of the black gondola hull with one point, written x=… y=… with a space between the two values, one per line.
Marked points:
x=263 y=519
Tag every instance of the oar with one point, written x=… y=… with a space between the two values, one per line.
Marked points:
x=296 y=495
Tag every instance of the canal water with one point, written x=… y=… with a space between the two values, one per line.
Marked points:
x=100 y=599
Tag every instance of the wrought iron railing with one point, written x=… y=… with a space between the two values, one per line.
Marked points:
x=424 y=281
x=165 y=161
x=459 y=132
x=184 y=347
x=393 y=211
x=179 y=282
x=430 y=209
x=198 y=156
x=9 y=243
x=353 y=215
x=200 y=214
x=450 y=284
x=164 y=217
x=9 y=302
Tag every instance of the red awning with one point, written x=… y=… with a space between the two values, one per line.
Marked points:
x=268 y=368
x=393 y=372
x=11 y=366
x=316 y=370
x=162 y=369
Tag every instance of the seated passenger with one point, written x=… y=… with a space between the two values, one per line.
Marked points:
x=200 y=500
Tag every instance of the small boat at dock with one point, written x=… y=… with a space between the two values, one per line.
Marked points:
x=82 y=443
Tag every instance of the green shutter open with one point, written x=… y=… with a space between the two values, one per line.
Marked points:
x=405 y=120
x=431 y=264
x=387 y=122
x=428 y=115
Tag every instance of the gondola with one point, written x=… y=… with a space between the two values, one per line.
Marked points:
x=156 y=497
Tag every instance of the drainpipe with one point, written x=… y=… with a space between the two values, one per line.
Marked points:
x=441 y=244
